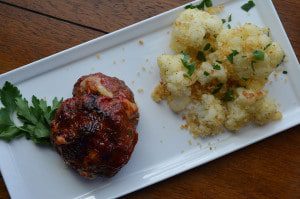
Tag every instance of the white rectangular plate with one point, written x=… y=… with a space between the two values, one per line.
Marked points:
x=163 y=150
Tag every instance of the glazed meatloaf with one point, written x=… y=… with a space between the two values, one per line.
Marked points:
x=95 y=130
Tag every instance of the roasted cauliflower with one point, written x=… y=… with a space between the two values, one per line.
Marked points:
x=216 y=78
x=191 y=27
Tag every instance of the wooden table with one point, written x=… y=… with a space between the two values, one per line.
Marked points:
x=33 y=29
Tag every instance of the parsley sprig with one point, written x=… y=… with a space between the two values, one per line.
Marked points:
x=201 y=5
x=216 y=66
x=247 y=6
x=229 y=96
x=201 y=56
x=35 y=118
x=217 y=88
x=258 y=55
x=230 y=57
x=186 y=61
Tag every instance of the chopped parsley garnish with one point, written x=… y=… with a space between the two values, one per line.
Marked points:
x=35 y=118
x=228 y=96
x=281 y=61
x=259 y=55
x=252 y=65
x=201 y=56
x=230 y=18
x=216 y=67
x=201 y=5
x=207 y=47
x=223 y=20
x=230 y=57
x=217 y=88
x=245 y=79
x=228 y=26
x=267 y=46
x=285 y=72
x=247 y=6
x=187 y=64
x=208 y=3
x=206 y=73
x=191 y=6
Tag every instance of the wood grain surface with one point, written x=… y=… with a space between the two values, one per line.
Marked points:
x=32 y=29
x=26 y=36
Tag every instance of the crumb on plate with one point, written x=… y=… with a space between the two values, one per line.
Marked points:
x=141 y=42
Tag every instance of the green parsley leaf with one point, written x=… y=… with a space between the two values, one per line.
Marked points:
x=35 y=119
x=245 y=79
x=201 y=56
x=216 y=67
x=228 y=26
x=55 y=105
x=223 y=20
x=208 y=3
x=230 y=18
x=259 y=55
x=228 y=96
x=252 y=65
x=207 y=47
x=282 y=60
x=285 y=72
x=206 y=73
x=191 y=6
x=8 y=96
x=217 y=88
x=230 y=57
x=5 y=118
x=23 y=111
x=9 y=133
x=201 y=5
x=187 y=64
x=247 y=6
x=267 y=46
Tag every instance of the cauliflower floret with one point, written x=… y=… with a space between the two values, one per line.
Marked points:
x=247 y=98
x=178 y=103
x=209 y=72
x=236 y=117
x=264 y=111
x=275 y=53
x=247 y=40
x=250 y=106
x=173 y=74
x=174 y=77
x=190 y=28
x=205 y=117
x=238 y=111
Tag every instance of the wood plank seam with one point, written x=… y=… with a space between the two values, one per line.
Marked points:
x=53 y=17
